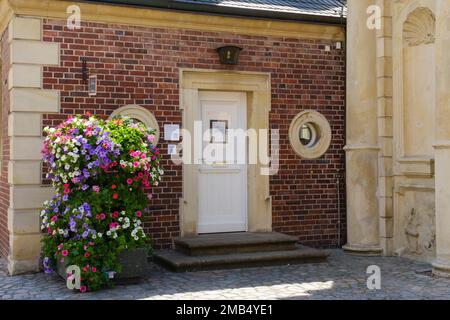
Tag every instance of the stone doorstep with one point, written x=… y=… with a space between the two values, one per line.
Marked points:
x=230 y=243
x=179 y=262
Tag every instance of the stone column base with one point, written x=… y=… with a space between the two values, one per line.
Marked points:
x=441 y=268
x=16 y=267
x=363 y=250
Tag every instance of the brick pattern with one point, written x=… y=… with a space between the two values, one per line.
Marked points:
x=138 y=65
x=4 y=186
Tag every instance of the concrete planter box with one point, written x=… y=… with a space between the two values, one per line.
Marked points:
x=133 y=262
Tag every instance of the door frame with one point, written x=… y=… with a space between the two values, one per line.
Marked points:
x=257 y=86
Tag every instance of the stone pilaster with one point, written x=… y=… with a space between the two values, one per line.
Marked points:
x=385 y=129
x=362 y=138
x=28 y=101
x=441 y=266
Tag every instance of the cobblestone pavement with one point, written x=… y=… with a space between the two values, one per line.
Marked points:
x=342 y=277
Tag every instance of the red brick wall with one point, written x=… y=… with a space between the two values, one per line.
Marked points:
x=137 y=65
x=4 y=187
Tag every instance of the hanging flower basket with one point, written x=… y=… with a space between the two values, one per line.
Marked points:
x=102 y=173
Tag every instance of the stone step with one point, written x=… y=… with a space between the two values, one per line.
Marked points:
x=230 y=243
x=179 y=262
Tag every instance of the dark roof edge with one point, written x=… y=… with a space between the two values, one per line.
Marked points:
x=223 y=10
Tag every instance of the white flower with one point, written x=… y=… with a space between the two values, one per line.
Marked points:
x=94 y=236
x=108 y=233
x=99 y=235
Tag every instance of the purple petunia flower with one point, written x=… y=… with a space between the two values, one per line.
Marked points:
x=72 y=225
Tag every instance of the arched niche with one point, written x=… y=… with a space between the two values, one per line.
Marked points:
x=419 y=83
x=141 y=114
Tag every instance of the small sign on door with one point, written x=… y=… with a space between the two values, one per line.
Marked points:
x=218 y=131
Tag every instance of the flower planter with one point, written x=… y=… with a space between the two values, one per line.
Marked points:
x=134 y=266
x=102 y=173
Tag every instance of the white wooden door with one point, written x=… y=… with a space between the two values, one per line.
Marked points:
x=222 y=176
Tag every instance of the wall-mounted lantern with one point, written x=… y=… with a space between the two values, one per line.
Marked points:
x=229 y=54
x=84 y=69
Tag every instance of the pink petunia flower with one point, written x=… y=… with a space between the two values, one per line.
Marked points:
x=94 y=269
x=83 y=289
x=64 y=253
x=139 y=214
x=103 y=216
x=129 y=181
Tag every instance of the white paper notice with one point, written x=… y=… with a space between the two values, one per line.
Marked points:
x=171 y=132
x=219 y=131
x=172 y=149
